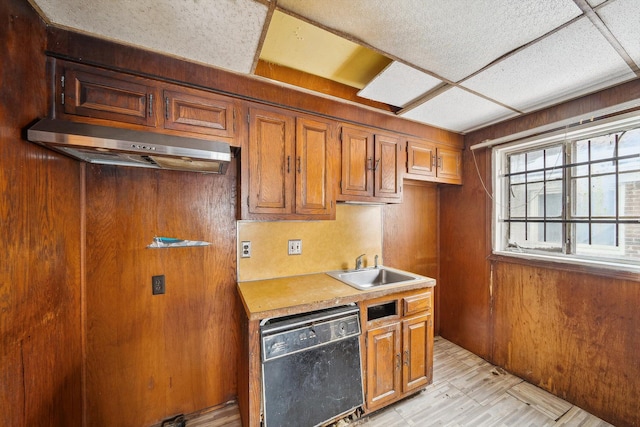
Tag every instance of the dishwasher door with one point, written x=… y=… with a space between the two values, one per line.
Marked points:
x=311 y=369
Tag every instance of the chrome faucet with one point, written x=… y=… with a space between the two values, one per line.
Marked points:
x=359 y=262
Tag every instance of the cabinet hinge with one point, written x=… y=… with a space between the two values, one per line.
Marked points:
x=166 y=107
x=62 y=94
x=234 y=121
x=248 y=118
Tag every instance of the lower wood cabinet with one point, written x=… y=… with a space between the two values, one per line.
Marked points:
x=398 y=332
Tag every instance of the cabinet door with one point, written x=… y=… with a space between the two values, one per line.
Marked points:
x=357 y=162
x=271 y=163
x=198 y=111
x=450 y=165
x=383 y=365
x=417 y=352
x=107 y=95
x=388 y=176
x=421 y=159
x=313 y=167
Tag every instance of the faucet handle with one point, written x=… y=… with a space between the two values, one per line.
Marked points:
x=376 y=261
x=359 y=261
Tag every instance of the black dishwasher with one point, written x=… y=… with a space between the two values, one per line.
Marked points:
x=311 y=371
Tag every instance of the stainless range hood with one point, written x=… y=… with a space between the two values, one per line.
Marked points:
x=125 y=147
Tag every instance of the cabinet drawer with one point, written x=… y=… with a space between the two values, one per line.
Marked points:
x=417 y=303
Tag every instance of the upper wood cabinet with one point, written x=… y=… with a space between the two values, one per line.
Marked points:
x=92 y=94
x=287 y=166
x=429 y=162
x=371 y=166
x=107 y=95
x=192 y=110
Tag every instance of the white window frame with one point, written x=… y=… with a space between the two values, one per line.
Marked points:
x=500 y=194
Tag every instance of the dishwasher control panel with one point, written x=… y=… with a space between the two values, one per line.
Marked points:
x=293 y=334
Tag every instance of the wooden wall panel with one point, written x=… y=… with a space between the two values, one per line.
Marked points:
x=153 y=356
x=465 y=296
x=40 y=332
x=572 y=333
x=410 y=233
x=575 y=335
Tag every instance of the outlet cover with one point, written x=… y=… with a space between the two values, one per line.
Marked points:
x=157 y=285
x=245 y=249
x=295 y=247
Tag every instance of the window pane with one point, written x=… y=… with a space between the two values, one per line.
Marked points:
x=583 y=234
x=629 y=143
x=517 y=201
x=629 y=195
x=554 y=234
x=535 y=160
x=554 y=162
x=603 y=234
x=516 y=233
x=581 y=151
x=580 y=193
x=632 y=164
x=535 y=200
x=630 y=241
x=603 y=147
x=516 y=163
x=554 y=199
x=603 y=196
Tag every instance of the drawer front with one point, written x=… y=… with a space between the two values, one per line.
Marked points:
x=417 y=303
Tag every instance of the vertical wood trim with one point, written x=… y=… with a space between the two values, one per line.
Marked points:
x=83 y=288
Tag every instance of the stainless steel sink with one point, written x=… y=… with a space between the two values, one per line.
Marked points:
x=368 y=278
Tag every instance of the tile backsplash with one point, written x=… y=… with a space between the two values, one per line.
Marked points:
x=326 y=245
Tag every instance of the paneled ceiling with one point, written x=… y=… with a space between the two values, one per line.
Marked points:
x=455 y=64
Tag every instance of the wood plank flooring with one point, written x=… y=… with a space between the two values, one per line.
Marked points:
x=466 y=391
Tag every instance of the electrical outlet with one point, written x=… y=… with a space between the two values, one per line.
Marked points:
x=245 y=250
x=295 y=247
x=157 y=285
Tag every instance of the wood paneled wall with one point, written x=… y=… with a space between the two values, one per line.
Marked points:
x=40 y=333
x=410 y=233
x=572 y=332
x=153 y=356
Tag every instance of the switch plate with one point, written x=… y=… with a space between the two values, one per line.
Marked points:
x=295 y=247
x=157 y=285
x=245 y=249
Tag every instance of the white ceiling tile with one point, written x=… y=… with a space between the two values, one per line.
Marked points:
x=224 y=33
x=459 y=111
x=399 y=84
x=622 y=17
x=451 y=38
x=571 y=62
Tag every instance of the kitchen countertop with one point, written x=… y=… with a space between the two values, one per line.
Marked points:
x=298 y=294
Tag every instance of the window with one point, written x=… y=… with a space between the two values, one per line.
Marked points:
x=572 y=196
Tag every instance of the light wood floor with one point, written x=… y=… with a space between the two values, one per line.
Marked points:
x=466 y=391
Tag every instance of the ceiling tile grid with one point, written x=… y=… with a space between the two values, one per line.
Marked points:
x=224 y=33
x=573 y=61
x=458 y=110
x=451 y=38
x=398 y=85
x=622 y=17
